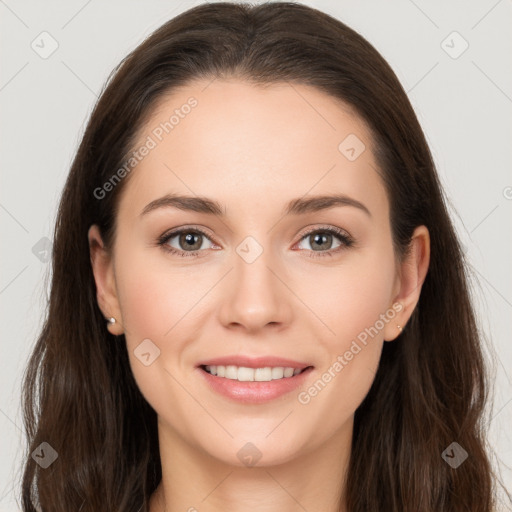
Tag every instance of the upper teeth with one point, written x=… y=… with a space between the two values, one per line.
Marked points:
x=243 y=373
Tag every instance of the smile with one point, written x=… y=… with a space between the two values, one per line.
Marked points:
x=253 y=385
x=244 y=374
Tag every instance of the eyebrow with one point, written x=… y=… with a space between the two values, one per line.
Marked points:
x=299 y=206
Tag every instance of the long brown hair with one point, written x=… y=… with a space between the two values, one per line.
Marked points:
x=431 y=387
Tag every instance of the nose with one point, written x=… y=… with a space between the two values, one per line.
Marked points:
x=255 y=295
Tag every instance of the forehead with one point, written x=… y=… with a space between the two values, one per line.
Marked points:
x=252 y=146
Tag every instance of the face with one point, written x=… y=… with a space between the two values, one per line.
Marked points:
x=318 y=285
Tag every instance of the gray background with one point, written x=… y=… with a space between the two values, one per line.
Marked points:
x=464 y=104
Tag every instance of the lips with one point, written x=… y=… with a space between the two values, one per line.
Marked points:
x=255 y=392
x=254 y=362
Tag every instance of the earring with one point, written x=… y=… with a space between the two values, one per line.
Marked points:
x=111 y=320
x=399 y=328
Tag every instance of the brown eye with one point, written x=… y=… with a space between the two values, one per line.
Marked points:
x=321 y=241
x=190 y=241
x=184 y=242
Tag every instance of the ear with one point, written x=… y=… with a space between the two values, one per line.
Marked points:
x=412 y=273
x=103 y=270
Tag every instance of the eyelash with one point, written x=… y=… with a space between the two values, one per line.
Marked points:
x=345 y=239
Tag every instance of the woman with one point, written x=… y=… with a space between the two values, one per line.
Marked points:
x=204 y=350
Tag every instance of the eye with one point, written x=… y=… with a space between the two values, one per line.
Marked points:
x=322 y=238
x=190 y=241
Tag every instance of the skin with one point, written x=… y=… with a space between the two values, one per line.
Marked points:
x=253 y=149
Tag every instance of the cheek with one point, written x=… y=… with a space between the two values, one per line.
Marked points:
x=349 y=297
x=160 y=302
x=355 y=306
x=154 y=305
x=144 y=301
x=155 y=295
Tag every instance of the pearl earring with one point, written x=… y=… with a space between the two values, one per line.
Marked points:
x=111 y=320
x=399 y=328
